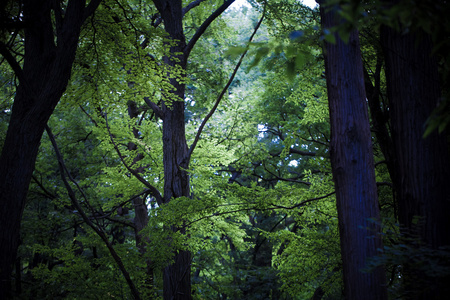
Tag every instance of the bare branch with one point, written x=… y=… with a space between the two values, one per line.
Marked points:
x=47 y=193
x=224 y=90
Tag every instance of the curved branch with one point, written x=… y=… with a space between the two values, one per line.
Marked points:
x=153 y=190
x=98 y=230
x=156 y=109
x=305 y=202
x=90 y=9
x=274 y=207
x=304 y=153
x=191 y=5
x=295 y=180
x=224 y=90
x=204 y=26
x=294 y=151
x=14 y=65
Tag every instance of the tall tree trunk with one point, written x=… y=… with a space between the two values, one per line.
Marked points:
x=16 y=167
x=422 y=163
x=43 y=79
x=352 y=164
x=177 y=276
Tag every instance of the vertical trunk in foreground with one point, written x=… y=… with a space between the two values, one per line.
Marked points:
x=177 y=276
x=47 y=65
x=352 y=164
x=422 y=163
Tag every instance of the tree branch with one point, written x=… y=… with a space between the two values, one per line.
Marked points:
x=305 y=202
x=295 y=151
x=58 y=18
x=90 y=9
x=295 y=180
x=191 y=5
x=156 y=109
x=153 y=190
x=41 y=185
x=15 y=67
x=224 y=90
x=204 y=26
x=98 y=230
x=304 y=153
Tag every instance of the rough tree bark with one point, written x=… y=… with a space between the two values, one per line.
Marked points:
x=422 y=164
x=352 y=164
x=46 y=71
x=177 y=276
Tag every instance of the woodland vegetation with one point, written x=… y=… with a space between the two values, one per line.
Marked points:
x=196 y=149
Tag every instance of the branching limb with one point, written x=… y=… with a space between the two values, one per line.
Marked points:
x=224 y=90
x=205 y=25
x=98 y=230
x=90 y=9
x=156 y=109
x=153 y=190
x=58 y=18
x=303 y=203
x=17 y=69
x=191 y=5
x=273 y=207
x=46 y=192
x=295 y=151
x=295 y=180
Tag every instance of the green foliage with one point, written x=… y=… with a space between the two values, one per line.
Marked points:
x=258 y=222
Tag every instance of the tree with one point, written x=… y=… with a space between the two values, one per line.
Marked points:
x=422 y=163
x=177 y=282
x=50 y=33
x=352 y=160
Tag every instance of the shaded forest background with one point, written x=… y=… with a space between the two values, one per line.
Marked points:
x=200 y=150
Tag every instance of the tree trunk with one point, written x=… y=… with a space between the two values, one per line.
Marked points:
x=422 y=163
x=177 y=276
x=43 y=79
x=352 y=165
x=16 y=167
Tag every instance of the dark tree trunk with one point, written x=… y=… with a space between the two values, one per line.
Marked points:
x=46 y=72
x=352 y=165
x=177 y=276
x=422 y=164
